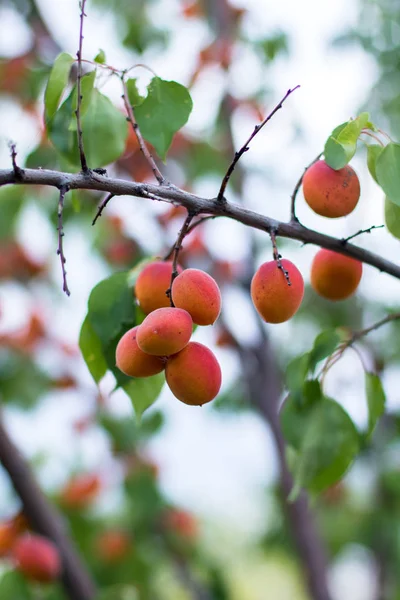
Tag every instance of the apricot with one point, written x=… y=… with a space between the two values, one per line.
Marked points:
x=335 y=276
x=193 y=375
x=165 y=331
x=113 y=545
x=331 y=193
x=152 y=284
x=8 y=535
x=275 y=300
x=37 y=558
x=198 y=293
x=132 y=361
x=181 y=522
x=80 y=491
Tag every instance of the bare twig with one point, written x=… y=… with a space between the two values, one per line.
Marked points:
x=363 y=332
x=44 y=519
x=199 y=206
x=297 y=188
x=277 y=257
x=145 y=151
x=177 y=248
x=79 y=92
x=102 y=206
x=19 y=173
x=245 y=147
x=60 y=249
x=345 y=240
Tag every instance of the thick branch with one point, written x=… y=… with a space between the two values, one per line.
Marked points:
x=198 y=205
x=44 y=519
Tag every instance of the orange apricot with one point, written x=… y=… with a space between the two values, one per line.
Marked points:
x=275 y=298
x=113 y=545
x=198 y=293
x=193 y=375
x=331 y=193
x=8 y=535
x=132 y=361
x=165 y=331
x=152 y=285
x=335 y=276
x=37 y=558
x=81 y=491
x=181 y=522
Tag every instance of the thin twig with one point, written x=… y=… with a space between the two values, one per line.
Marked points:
x=375 y=137
x=193 y=226
x=297 y=188
x=60 y=249
x=102 y=206
x=345 y=240
x=177 y=248
x=19 y=173
x=145 y=151
x=363 y=332
x=277 y=257
x=245 y=147
x=79 y=92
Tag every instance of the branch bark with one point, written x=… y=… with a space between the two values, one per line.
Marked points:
x=197 y=205
x=44 y=519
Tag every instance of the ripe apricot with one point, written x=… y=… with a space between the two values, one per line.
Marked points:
x=193 y=375
x=335 y=276
x=165 y=331
x=80 y=491
x=275 y=300
x=331 y=193
x=181 y=522
x=8 y=535
x=37 y=558
x=152 y=284
x=113 y=545
x=132 y=361
x=198 y=293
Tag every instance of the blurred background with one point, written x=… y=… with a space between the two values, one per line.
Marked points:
x=191 y=496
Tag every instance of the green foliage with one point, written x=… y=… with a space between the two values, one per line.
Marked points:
x=92 y=350
x=134 y=96
x=375 y=399
x=104 y=127
x=11 y=200
x=392 y=218
x=143 y=392
x=274 y=46
x=100 y=57
x=163 y=112
x=22 y=382
x=56 y=84
x=387 y=168
x=373 y=151
x=342 y=143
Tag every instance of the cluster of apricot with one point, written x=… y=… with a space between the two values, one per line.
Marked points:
x=35 y=556
x=162 y=341
x=277 y=287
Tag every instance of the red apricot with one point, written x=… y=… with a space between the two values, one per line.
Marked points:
x=81 y=491
x=152 y=285
x=198 y=293
x=132 y=361
x=181 y=522
x=113 y=545
x=331 y=193
x=8 y=535
x=275 y=298
x=37 y=558
x=335 y=276
x=193 y=375
x=165 y=331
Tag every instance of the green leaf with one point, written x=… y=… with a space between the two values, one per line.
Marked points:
x=376 y=400
x=387 y=169
x=373 y=151
x=87 y=87
x=329 y=445
x=296 y=373
x=56 y=84
x=12 y=199
x=91 y=348
x=294 y=416
x=164 y=111
x=392 y=218
x=133 y=93
x=342 y=143
x=100 y=57
x=104 y=130
x=144 y=392
x=324 y=344
x=111 y=307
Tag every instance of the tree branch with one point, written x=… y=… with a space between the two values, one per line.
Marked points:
x=79 y=92
x=44 y=519
x=198 y=205
x=60 y=229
